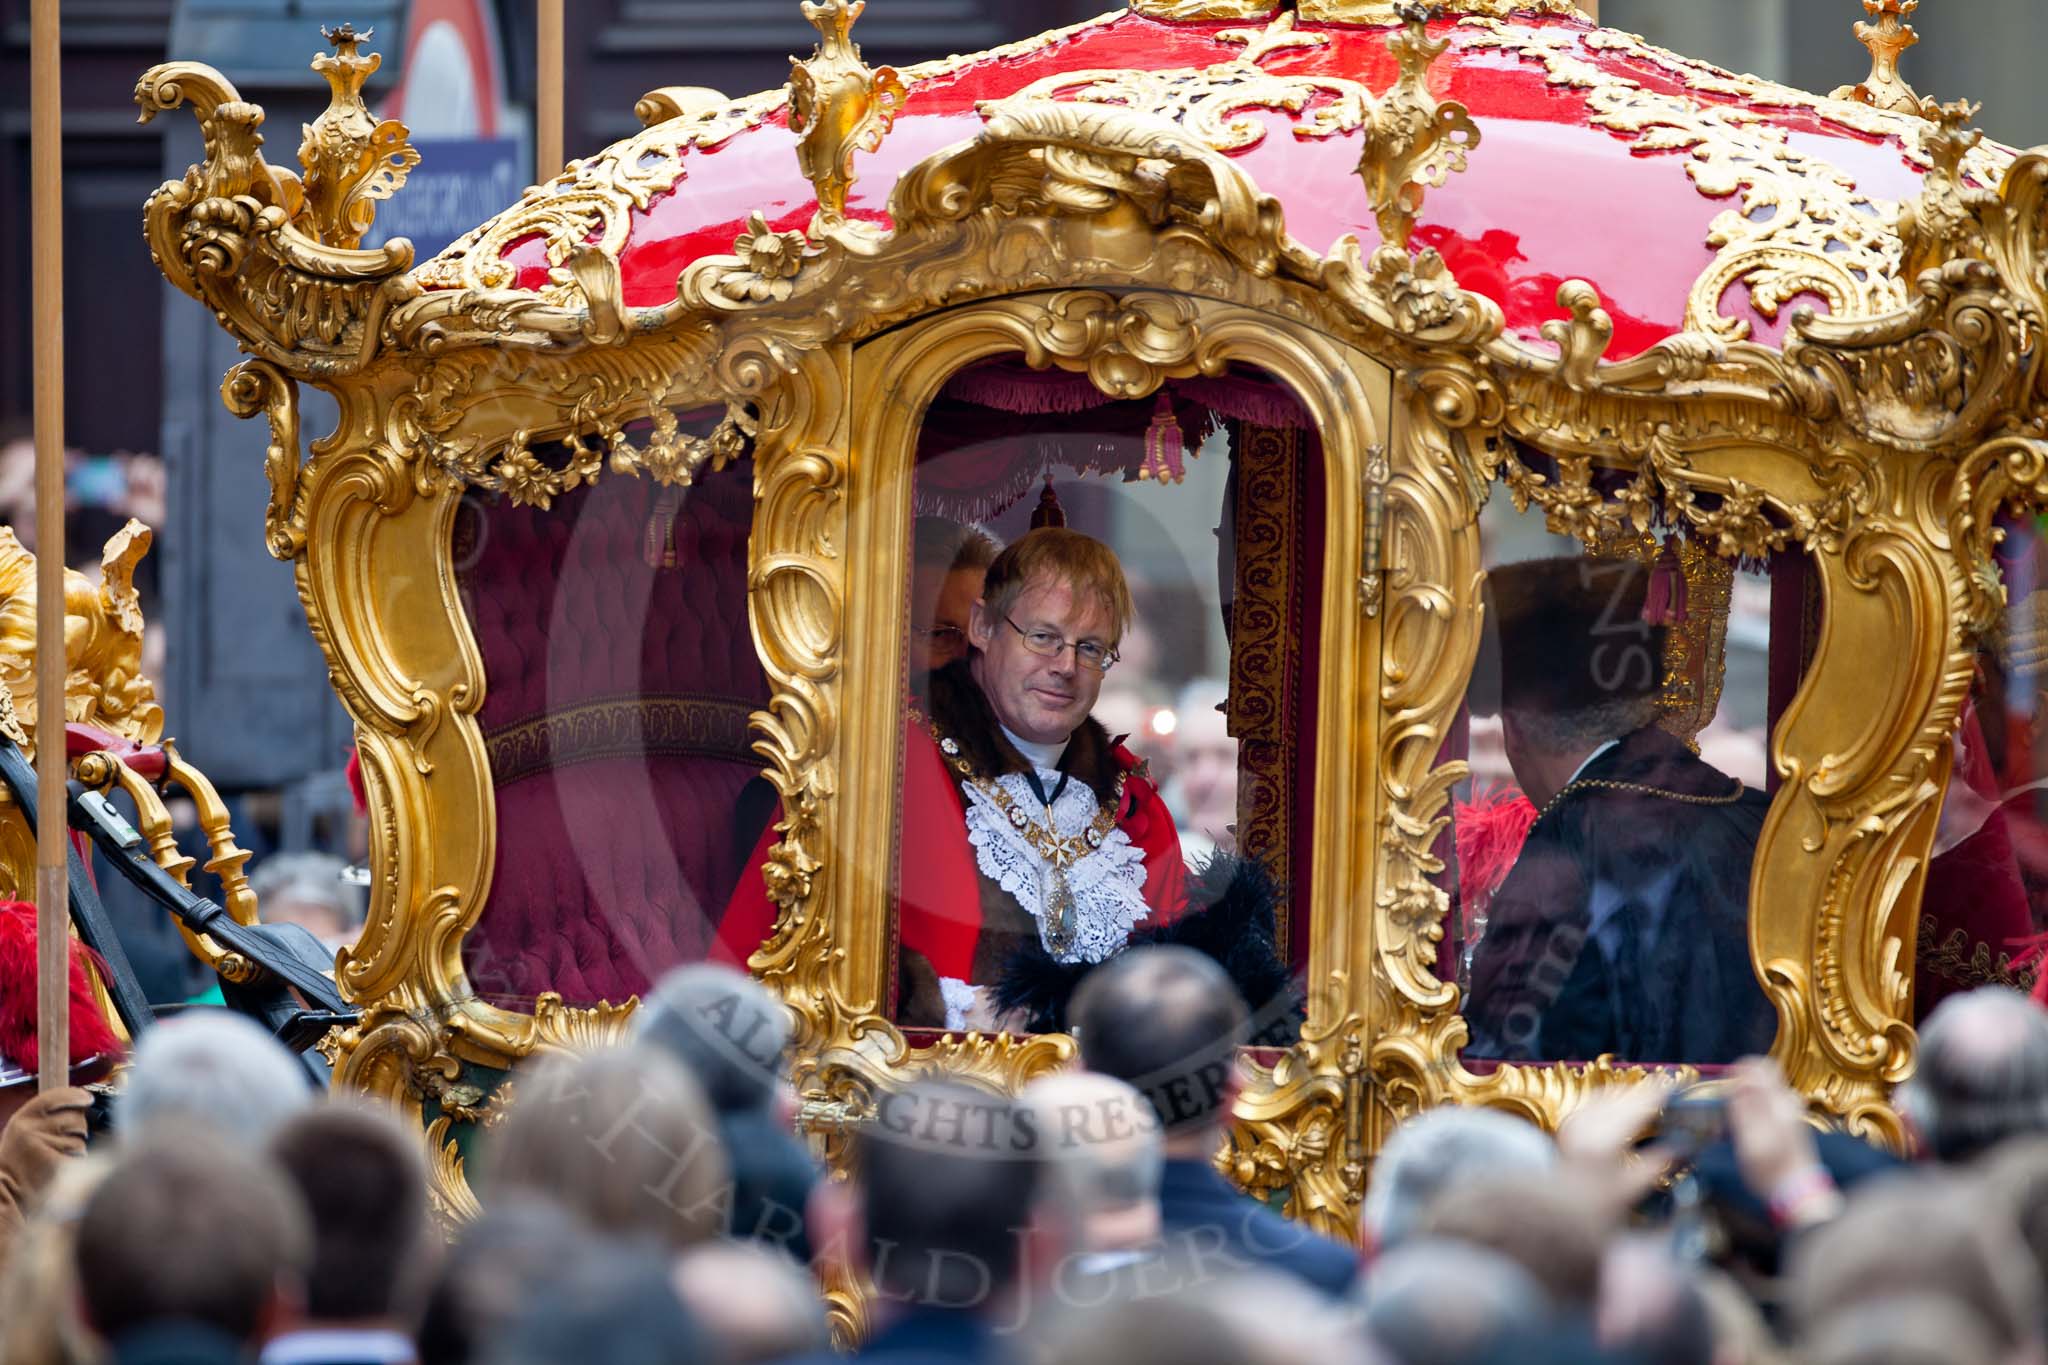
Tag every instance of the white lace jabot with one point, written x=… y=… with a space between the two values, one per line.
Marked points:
x=1107 y=882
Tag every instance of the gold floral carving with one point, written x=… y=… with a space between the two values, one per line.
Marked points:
x=838 y=106
x=1883 y=443
x=1887 y=36
x=104 y=684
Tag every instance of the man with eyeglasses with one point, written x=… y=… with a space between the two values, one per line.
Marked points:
x=1028 y=831
x=1026 y=825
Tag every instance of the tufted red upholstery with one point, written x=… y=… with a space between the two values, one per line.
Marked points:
x=609 y=869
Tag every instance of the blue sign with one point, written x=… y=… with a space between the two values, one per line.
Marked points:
x=458 y=184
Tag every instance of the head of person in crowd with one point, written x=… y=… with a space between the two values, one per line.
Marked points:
x=622 y=1137
x=309 y=890
x=942 y=1202
x=948 y=562
x=753 y=1302
x=1924 y=1232
x=212 y=1067
x=726 y=1028
x=1202 y=791
x=1414 y=1320
x=365 y=1187
x=1054 y=605
x=613 y=1305
x=1100 y=1156
x=1439 y=1150
x=1168 y=1021
x=1982 y=1074
x=1247 y=1317
x=39 y=1316
x=1650 y=1306
x=493 y=1271
x=1556 y=1229
x=2018 y=1171
x=1917 y=1329
x=184 y=1247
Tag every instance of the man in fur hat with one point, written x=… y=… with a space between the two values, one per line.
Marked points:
x=1027 y=828
x=1623 y=926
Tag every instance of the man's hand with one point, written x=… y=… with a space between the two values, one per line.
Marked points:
x=1775 y=1147
x=1599 y=1139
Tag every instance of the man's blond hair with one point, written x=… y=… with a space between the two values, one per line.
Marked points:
x=1083 y=563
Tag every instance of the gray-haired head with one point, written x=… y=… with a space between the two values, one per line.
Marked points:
x=726 y=1028
x=308 y=889
x=1983 y=1073
x=1411 y=1311
x=214 y=1068
x=1102 y=1154
x=1440 y=1150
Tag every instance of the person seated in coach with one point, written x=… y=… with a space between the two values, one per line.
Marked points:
x=1623 y=926
x=1027 y=829
x=948 y=562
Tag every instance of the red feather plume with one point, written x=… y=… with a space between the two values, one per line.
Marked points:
x=91 y=1035
x=1491 y=829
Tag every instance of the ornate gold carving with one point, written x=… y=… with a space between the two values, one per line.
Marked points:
x=1389 y=11
x=1205 y=9
x=1411 y=141
x=259 y=386
x=104 y=684
x=677 y=101
x=1887 y=38
x=838 y=106
x=1280 y=35
x=351 y=159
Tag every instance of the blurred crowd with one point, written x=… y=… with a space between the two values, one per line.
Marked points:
x=652 y=1202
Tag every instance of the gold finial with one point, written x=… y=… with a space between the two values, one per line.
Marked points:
x=1411 y=141
x=837 y=106
x=1887 y=37
x=351 y=159
x=1278 y=36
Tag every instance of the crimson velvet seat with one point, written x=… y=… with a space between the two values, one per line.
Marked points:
x=621 y=670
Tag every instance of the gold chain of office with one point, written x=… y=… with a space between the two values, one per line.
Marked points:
x=1639 y=789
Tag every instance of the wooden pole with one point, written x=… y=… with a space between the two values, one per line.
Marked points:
x=547 y=133
x=46 y=199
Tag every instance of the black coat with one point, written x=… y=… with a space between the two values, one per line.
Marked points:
x=1544 y=988
x=1198 y=1206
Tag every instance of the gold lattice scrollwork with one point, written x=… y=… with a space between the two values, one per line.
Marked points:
x=1887 y=35
x=838 y=106
x=351 y=159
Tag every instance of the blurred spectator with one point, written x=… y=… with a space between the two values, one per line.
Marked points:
x=1982 y=1075
x=1556 y=1229
x=366 y=1189
x=39 y=1136
x=1202 y=793
x=211 y=1067
x=1411 y=1316
x=1918 y=1329
x=187 y=1255
x=1101 y=1156
x=948 y=562
x=2016 y=1173
x=1168 y=1020
x=753 y=1301
x=1650 y=1306
x=310 y=890
x=1441 y=1149
x=613 y=1305
x=493 y=1271
x=732 y=1034
x=939 y=1214
x=39 y=1315
x=623 y=1138
x=1246 y=1318
x=1923 y=1232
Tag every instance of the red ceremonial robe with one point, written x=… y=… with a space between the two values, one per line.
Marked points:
x=940 y=887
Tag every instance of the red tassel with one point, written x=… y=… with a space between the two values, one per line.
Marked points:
x=1665 y=602
x=1491 y=830
x=91 y=1035
x=1048 y=512
x=1165 y=446
x=354 y=772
